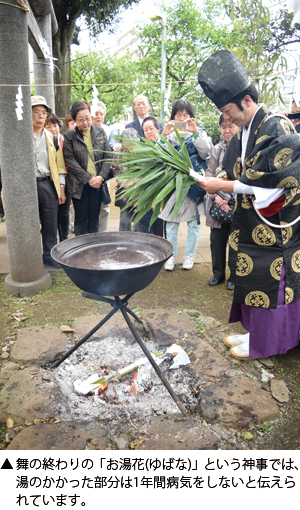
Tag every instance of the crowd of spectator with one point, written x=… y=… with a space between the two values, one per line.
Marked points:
x=71 y=170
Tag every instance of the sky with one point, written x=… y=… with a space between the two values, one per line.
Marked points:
x=130 y=17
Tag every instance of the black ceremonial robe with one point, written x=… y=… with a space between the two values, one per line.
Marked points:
x=257 y=250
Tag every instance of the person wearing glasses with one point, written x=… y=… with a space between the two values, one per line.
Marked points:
x=98 y=119
x=50 y=173
x=86 y=152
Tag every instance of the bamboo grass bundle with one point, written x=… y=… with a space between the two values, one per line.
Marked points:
x=161 y=171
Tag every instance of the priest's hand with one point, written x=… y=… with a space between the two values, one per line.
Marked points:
x=213 y=185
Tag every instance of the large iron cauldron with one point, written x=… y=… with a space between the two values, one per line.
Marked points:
x=112 y=263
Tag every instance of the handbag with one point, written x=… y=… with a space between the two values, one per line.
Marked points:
x=219 y=215
x=105 y=196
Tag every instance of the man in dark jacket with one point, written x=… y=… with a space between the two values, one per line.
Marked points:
x=141 y=105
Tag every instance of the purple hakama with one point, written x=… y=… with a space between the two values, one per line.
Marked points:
x=272 y=331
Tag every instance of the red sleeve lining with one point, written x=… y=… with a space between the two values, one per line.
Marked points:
x=274 y=207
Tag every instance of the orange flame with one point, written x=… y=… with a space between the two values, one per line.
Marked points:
x=133 y=386
x=101 y=388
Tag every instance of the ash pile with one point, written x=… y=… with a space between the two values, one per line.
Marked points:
x=127 y=384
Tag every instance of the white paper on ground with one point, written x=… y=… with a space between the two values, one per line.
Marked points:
x=181 y=358
x=146 y=362
x=84 y=387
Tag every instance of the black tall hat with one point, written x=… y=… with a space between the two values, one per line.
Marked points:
x=222 y=78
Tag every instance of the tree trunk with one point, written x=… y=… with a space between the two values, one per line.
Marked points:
x=62 y=75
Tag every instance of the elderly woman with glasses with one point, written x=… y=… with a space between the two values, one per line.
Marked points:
x=98 y=120
x=86 y=153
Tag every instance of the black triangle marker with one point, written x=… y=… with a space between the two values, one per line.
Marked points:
x=6 y=465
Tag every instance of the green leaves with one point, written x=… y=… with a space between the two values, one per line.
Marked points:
x=164 y=193
x=259 y=37
x=179 y=185
x=153 y=172
x=108 y=71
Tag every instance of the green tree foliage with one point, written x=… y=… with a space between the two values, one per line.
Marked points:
x=99 y=15
x=245 y=27
x=109 y=71
x=192 y=35
x=258 y=37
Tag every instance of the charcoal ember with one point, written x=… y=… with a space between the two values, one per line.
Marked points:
x=143 y=380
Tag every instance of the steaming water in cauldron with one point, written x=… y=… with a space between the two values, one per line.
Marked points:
x=112 y=263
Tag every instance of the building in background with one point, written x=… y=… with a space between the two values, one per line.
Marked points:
x=128 y=41
x=291 y=84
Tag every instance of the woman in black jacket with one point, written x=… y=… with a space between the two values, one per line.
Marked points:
x=86 y=152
